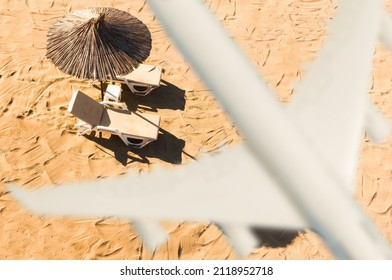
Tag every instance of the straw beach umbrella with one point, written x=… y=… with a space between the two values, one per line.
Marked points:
x=98 y=43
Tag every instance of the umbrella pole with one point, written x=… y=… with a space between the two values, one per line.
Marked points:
x=100 y=133
x=101 y=91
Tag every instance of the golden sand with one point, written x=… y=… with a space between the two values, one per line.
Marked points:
x=39 y=145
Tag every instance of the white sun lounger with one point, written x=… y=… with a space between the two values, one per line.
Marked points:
x=143 y=79
x=134 y=129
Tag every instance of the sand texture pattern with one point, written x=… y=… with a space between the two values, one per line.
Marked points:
x=39 y=145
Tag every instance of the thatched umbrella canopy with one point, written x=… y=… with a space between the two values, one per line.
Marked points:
x=98 y=43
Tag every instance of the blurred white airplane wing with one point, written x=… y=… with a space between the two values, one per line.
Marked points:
x=331 y=105
x=229 y=188
x=386 y=29
x=377 y=126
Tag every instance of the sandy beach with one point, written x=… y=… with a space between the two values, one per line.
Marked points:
x=39 y=145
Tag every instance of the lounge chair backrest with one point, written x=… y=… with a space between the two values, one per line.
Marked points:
x=85 y=108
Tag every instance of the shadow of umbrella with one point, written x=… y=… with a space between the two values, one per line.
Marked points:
x=98 y=43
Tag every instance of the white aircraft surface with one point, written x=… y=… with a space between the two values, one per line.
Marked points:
x=267 y=181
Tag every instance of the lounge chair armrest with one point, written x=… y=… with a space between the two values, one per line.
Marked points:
x=86 y=130
x=83 y=127
x=82 y=123
x=118 y=104
x=107 y=129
